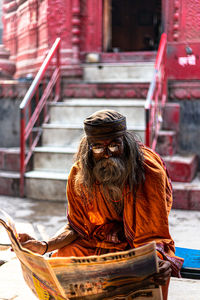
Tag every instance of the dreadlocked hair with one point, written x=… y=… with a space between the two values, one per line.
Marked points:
x=134 y=161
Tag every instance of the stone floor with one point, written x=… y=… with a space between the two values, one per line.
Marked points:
x=43 y=219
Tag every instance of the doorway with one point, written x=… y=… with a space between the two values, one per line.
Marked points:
x=131 y=25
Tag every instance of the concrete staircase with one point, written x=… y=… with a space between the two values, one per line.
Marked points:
x=61 y=136
x=122 y=87
x=53 y=160
x=60 y=139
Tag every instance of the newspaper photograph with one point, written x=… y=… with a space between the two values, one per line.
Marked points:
x=120 y=275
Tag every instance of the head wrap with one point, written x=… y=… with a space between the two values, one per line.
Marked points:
x=105 y=124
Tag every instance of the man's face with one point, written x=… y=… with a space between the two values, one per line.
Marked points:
x=109 y=166
x=107 y=148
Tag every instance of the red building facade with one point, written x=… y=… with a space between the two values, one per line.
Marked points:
x=116 y=29
x=107 y=31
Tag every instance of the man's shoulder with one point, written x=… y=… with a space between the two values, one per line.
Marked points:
x=152 y=158
x=74 y=169
x=148 y=151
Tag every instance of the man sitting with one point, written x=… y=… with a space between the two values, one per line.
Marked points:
x=119 y=197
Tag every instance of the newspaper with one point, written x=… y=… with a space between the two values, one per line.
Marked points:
x=119 y=275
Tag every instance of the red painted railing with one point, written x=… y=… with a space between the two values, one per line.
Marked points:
x=157 y=95
x=45 y=88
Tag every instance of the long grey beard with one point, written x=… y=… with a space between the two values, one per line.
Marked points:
x=111 y=174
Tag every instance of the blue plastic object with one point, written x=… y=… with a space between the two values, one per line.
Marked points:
x=191 y=257
x=191 y=265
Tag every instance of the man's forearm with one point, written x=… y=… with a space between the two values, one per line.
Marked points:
x=67 y=236
x=63 y=239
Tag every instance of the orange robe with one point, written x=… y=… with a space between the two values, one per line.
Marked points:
x=144 y=219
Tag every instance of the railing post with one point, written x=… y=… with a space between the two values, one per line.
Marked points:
x=58 y=82
x=22 y=151
x=164 y=79
x=157 y=94
x=147 y=132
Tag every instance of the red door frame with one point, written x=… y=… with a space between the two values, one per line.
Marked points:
x=94 y=35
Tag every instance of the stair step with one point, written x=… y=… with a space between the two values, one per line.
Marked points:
x=181 y=168
x=46 y=175
x=55 y=149
x=52 y=185
x=10 y=159
x=9 y=183
x=149 y=56
x=105 y=90
x=118 y=72
x=53 y=158
x=103 y=102
x=167 y=142
x=61 y=135
x=76 y=110
x=68 y=134
x=46 y=185
x=187 y=195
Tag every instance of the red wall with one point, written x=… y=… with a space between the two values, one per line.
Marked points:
x=31 y=26
x=182 y=20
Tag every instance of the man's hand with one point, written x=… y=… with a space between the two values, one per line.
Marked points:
x=164 y=272
x=32 y=244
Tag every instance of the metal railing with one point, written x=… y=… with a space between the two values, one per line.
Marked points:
x=45 y=88
x=157 y=95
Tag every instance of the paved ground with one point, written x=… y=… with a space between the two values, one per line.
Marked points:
x=51 y=215
x=45 y=218
x=184 y=225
